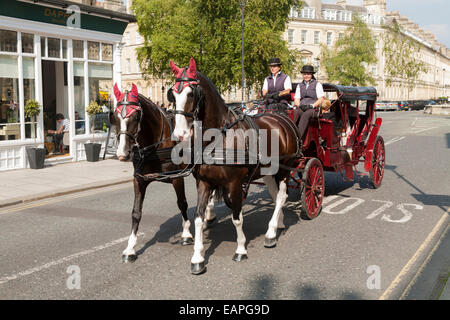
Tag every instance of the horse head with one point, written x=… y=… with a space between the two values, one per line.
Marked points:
x=126 y=117
x=185 y=94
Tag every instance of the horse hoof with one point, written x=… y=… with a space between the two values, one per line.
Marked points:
x=238 y=257
x=198 y=268
x=129 y=258
x=270 y=243
x=187 y=241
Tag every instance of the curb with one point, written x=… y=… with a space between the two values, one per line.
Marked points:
x=54 y=194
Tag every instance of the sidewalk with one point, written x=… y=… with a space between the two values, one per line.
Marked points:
x=17 y=186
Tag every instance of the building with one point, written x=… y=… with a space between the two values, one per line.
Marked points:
x=63 y=56
x=319 y=23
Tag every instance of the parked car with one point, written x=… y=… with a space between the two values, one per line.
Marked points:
x=381 y=106
x=417 y=104
x=403 y=106
x=392 y=106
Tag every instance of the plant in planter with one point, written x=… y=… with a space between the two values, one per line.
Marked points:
x=36 y=156
x=93 y=149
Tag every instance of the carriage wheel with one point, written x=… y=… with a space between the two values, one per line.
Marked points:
x=378 y=162
x=313 y=189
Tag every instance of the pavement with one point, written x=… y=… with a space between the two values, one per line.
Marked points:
x=24 y=185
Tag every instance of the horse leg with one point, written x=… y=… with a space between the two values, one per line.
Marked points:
x=270 y=240
x=273 y=190
x=129 y=255
x=210 y=216
x=235 y=195
x=198 y=261
x=186 y=236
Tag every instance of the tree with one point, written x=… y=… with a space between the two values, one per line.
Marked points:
x=347 y=61
x=176 y=30
x=402 y=55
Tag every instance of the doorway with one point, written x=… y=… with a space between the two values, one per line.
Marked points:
x=55 y=101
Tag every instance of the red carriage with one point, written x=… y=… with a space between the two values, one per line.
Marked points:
x=338 y=141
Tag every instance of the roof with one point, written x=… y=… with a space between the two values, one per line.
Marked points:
x=352 y=93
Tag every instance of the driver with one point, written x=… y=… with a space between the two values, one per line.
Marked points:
x=309 y=96
x=277 y=87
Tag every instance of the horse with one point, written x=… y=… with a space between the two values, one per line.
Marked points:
x=144 y=129
x=197 y=99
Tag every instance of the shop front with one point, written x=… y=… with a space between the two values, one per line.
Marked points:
x=61 y=67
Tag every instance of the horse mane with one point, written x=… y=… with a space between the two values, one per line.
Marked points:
x=204 y=78
x=146 y=102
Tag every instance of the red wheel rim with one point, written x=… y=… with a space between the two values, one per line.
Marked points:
x=378 y=163
x=314 y=190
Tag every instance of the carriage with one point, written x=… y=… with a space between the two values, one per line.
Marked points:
x=338 y=141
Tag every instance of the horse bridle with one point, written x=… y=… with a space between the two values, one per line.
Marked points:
x=134 y=105
x=193 y=84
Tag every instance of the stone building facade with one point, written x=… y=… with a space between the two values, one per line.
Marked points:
x=320 y=23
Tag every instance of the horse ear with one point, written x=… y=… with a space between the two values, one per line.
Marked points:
x=175 y=69
x=117 y=93
x=192 y=66
x=134 y=90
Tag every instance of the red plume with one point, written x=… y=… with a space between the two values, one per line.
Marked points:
x=176 y=71
x=117 y=93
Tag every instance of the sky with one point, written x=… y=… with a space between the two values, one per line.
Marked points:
x=430 y=15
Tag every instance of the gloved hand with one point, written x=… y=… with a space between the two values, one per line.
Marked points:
x=272 y=95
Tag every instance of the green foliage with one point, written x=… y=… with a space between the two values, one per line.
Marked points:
x=93 y=108
x=346 y=62
x=210 y=31
x=32 y=108
x=402 y=57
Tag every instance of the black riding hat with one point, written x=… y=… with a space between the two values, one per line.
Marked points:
x=308 y=69
x=275 y=62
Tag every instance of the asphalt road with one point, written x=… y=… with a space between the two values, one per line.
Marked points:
x=366 y=243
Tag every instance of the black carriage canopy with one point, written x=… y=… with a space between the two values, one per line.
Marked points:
x=352 y=93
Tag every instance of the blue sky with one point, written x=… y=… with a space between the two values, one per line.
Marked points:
x=431 y=15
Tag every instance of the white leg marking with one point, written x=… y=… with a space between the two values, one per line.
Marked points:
x=209 y=214
x=240 y=235
x=186 y=233
x=281 y=199
x=198 y=242
x=131 y=243
x=273 y=190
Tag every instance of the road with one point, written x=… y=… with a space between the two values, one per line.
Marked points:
x=366 y=243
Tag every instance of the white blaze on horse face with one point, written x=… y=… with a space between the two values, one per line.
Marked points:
x=182 y=130
x=123 y=149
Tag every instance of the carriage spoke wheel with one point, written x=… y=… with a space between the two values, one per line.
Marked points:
x=378 y=162
x=313 y=189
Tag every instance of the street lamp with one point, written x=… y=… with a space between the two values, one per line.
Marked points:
x=242 y=3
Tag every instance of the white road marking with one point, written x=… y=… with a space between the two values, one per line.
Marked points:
x=407 y=268
x=424 y=130
x=394 y=140
x=63 y=260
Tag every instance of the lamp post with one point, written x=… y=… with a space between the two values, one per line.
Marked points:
x=243 y=3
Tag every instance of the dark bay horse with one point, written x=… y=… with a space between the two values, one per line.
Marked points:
x=143 y=125
x=197 y=100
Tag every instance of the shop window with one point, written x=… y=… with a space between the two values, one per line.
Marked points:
x=54 y=48
x=9 y=99
x=43 y=47
x=27 y=43
x=29 y=91
x=100 y=90
x=93 y=50
x=80 y=114
x=107 y=52
x=64 y=49
x=78 y=48
x=8 y=41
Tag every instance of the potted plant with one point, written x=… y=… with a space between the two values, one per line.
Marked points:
x=36 y=156
x=93 y=149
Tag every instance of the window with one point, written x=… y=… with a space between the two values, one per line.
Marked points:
x=93 y=50
x=27 y=43
x=374 y=70
x=304 y=33
x=78 y=48
x=329 y=14
x=308 y=13
x=8 y=41
x=9 y=97
x=54 y=48
x=127 y=38
x=100 y=90
x=138 y=68
x=290 y=36
x=128 y=66
x=29 y=94
x=78 y=80
x=341 y=35
x=329 y=38
x=107 y=52
x=316 y=37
